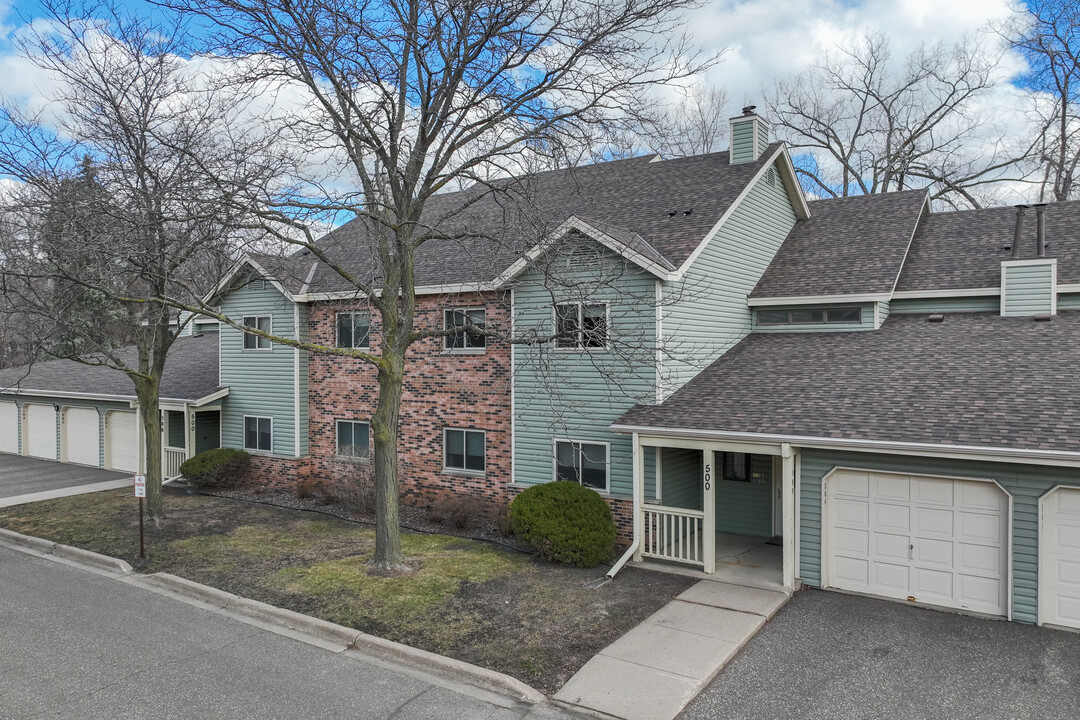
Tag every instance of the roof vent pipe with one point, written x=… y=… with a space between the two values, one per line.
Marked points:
x=1040 y=231
x=1016 y=233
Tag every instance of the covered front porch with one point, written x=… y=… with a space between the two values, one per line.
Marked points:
x=187 y=429
x=720 y=509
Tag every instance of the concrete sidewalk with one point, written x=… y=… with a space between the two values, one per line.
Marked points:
x=653 y=671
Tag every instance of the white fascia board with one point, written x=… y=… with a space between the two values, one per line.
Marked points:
x=802 y=211
x=65 y=395
x=817 y=299
x=223 y=392
x=1032 y=261
x=452 y=289
x=946 y=293
x=251 y=262
x=574 y=223
x=926 y=210
x=958 y=452
x=1068 y=288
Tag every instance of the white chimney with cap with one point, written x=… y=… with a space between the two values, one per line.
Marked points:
x=749 y=136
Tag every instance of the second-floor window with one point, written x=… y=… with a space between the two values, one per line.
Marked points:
x=353 y=330
x=810 y=316
x=464 y=339
x=581 y=326
x=253 y=341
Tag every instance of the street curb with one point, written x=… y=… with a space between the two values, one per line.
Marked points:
x=348 y=638
x=28 y=542
x=96 y=560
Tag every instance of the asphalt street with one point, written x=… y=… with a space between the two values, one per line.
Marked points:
x=829 y=655
x=76 y=644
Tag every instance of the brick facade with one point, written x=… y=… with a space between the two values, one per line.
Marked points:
x=442 y=390
x=277 y=473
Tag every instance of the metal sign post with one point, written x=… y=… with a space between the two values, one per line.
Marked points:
x=140 y=492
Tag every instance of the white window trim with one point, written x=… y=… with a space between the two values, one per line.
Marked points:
x=257 y=451
x=463 y=471
x=337 y=441
x=352 y=312
x=822 y=323
x=245 y=335
x=581 y=338
x=463 y=350
x=607 y=461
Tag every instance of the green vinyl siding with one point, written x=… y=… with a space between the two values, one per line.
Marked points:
x=1027 y=289
x=1069 y=301
x=866 y=321
x=745 y=508
x=705 y=313
x=988 y=303
x=681 y=478
x=1025 y=483
x=883 y=310
x=260 y=382
x=742 y=142
x=207 y=431
x=575 y=394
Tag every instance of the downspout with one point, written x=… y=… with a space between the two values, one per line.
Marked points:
x=639 y=491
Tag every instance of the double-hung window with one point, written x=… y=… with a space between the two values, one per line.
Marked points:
x=353 y=439
x=581 y=326
x=462 y=339
x=253 y=341
x=353 y=330
x=464 y=450
x=582 y=462
x=258 y=433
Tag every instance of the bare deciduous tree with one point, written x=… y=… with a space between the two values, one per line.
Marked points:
x=697 y=125
x=411 y=97
x=1047 y=34
x=112 y=207
x=873 y=125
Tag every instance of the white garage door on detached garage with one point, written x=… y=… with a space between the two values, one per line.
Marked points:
x=9 y=427
x=123 y=441
x=1059 y=558
x=932 y=540
x=81 y=436
x=40 y=431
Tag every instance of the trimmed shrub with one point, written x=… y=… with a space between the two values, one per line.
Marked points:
x=217 y=469
x=565 y=522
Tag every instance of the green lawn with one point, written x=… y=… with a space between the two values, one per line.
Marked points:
x=466 y=599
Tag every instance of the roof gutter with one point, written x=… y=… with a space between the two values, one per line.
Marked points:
x=966 y=452
x=131 y=399
x=817 y=299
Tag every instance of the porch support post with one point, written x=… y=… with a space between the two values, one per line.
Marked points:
x=639 y=497
x=788 y=501
x=708 y=479
x=189 y=432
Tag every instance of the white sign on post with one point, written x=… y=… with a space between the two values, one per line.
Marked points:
x=140 y=486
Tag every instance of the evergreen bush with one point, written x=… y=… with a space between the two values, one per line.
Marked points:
x=217 y=469
x=565 y=522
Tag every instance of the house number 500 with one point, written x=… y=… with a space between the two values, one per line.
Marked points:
x=708 y=476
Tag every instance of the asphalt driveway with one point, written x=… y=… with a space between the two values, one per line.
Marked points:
x=24 y=479
x=828 y=655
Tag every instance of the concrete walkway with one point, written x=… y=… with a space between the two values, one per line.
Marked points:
x=653 y=671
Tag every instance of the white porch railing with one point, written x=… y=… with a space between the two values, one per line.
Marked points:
x=171 y=462
x=673 y=534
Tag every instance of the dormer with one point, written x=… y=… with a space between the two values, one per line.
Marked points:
x=1029 y=286
x=749 y=136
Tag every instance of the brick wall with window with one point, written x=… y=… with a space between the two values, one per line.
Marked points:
x=456 y=401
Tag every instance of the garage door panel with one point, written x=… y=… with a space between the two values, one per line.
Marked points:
x=41 y=431
x=1059 y=558
x=123 y=441
x=9 y=427
x=853 y=541
x=81 y=436
x=853 y=484
x=933 y=546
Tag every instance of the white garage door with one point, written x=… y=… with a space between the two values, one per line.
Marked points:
x=40 y=431
x=1059 y=558
x=930 y=540
x=81 y=436
x=9 y=427
x=123 y=441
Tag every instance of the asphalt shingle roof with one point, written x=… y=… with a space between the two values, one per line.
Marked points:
x=630 y=200
x=960 y=250
x=191 y=372
x=852 y=245
x=976 y=379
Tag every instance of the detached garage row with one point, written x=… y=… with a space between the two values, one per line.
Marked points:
x=73 y=413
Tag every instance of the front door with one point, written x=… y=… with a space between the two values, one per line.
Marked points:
x=744 y=494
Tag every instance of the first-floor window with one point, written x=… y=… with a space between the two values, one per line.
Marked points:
x=257 y=342
x=352 y=439
x=258 y=433
x=464 y=449
x=582 y=462
x=736 y=467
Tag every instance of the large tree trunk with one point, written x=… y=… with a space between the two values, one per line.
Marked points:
x=384 y=428
x=146 y=390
